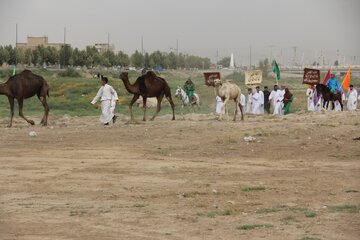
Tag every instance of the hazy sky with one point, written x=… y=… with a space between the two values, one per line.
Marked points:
x=201 y=26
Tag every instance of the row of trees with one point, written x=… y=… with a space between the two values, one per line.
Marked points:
x=90 y=57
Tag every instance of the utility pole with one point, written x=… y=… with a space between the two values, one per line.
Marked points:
x=217 y=58
x=177 y=47
x=142 y=45
x=16 y=39
x=294 y=57
x=108 y=45
x=270 y=48
x=250 y=59
x=64 y=36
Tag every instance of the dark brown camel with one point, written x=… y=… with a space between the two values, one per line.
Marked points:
x=25 y=85
x=148 y=85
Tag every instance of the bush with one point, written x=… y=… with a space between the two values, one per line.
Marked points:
x=70 y=72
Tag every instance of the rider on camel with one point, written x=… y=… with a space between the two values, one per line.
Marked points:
x=333 y=84
x=189 y=88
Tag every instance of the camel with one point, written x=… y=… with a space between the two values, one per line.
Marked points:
x=148 y=85
x=25 y=85
x=228 y=90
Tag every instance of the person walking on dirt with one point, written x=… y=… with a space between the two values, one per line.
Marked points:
x=108 y=97
x=288 y=98
x=189 y=88
x=266 y=99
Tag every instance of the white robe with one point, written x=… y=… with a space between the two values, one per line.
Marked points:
x=256 y=103
x=337 y=106
x=310 y=100
x=352 y=100
x=108 y=97
x=242 y=100
x=249 y=104
x=277 y=97
x=219 y=104
x=262 y=99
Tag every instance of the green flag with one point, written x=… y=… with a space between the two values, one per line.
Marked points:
x=276 y=70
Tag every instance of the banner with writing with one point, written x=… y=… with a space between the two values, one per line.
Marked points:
x=210 y=77
x=311 y=76
x=253 y=77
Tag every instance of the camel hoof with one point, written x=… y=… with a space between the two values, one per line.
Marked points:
x=31 y=122
x=9 y=126
x=43 y=124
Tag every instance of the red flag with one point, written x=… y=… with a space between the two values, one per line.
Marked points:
x=346 y=82
x=327 y=77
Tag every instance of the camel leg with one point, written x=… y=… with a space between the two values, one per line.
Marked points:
x=46 y=111
x=21 y=102
x=342 y=107
x=172 y=106
x=223 y=108
x=133 y=100
x=236 y=109
x=241 y=111
x=159 y=99
x=11 y=102
x=144 y=106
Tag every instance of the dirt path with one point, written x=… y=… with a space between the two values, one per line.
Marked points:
x=187 y=179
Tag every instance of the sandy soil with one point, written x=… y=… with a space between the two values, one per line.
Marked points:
x=193 y=178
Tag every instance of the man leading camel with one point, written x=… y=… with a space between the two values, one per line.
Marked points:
x=108 y=97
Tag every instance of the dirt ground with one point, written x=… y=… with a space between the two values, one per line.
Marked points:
x=193 y=178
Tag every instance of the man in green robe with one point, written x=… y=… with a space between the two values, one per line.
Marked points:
x=189 y=89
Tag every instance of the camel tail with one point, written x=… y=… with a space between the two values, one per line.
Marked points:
x=167 y=91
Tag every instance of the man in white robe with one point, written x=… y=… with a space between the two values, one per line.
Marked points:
x=249 y=103
x=261 y=93
x=242 y=103
x=108 y=97
x=352 y=99
x=276 y=97
x=258 y=101
x=310 y=98
x=219 y=104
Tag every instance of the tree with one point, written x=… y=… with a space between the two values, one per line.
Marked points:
x=137 y=59
x=65 y=55
x=225 y=62
x=264 y=66
x=122 y=59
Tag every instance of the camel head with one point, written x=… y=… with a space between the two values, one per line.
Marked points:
x=217 y=82
x=124 y=76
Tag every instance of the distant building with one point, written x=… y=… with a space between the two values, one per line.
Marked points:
x=33 y=42
x=103 y=47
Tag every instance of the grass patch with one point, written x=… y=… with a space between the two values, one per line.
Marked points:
x=310 y=238
x=345 y=208
x=288 y=219
x=269 y=210
x=351 y=190
x=139 y=205
x=213 y=214
x=310 y=214
x=227 y=212
x=252 y=189
x=253 y=226
x=210 y=214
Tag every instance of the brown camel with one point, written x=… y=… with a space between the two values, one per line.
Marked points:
x=25 y=85
x=148 y=85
